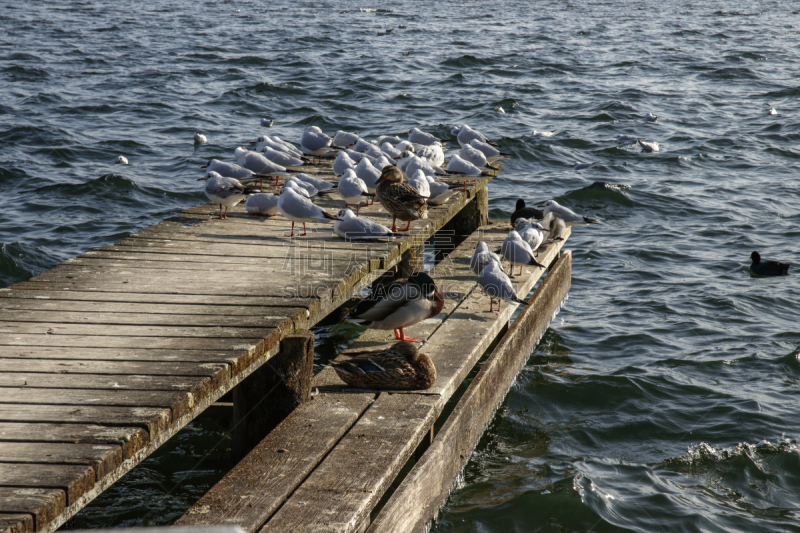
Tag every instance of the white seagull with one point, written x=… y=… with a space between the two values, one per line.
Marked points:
x=420 y=137
x=518 y=252
x=531 y=232
x=488 y=150
x=461 y=166
x=298 y=208
x=266 y=122
x=281 y=158
x=465 y=134
x=266 y=140
x=651 y=118
x=342 y=163
x=772 y=111
x=500 y=110
x=361 y=145
x=228 y=170
x=570 y=217
x=482 y=257
x=420 y=182
x=475 y=156
x=199 y=138
x=353 y=190
x=433 y=154
x=648 y=147
x=263 y=204
x=259 y=164
x=544 y=133
x=496 y=284
x=626 y=139
x=350 y=226
x=319 y=183
x=582 y=166
x=223 y=191
x=368 y=173
x=394 y=140
x=121 y=160
x=440 y=192
x=344 y=139
x=314 y=142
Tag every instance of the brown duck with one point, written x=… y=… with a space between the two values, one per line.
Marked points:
x=401 y=366
x=400 y=199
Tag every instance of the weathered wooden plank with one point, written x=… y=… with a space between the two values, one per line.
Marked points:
x=356 y=473
x=249 y=494
x=75 y=480
x=129 y=439
x=16 y=523
x=123 y=367
x=256 y=346
x=144 y=319
x=54 y=329
x=155 y=420
x=179 y=402
x=102 y=457
x=77 y=306
x=426 y=487
x=42 y=504
x=198 y=386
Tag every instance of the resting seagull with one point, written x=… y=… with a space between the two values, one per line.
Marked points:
x=223 y=191
x=496 y=284
x=349 y=226
x=298 y=208
x=570 y=217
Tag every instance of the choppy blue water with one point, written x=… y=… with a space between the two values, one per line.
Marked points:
x=664 y=397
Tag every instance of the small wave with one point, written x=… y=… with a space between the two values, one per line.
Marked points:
x=19 y=262
x=20 y=73
x=466 y=61
x=599 y=191
x=704 y=454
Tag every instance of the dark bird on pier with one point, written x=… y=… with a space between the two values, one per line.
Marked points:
x=400 y=367
x=400 y=199
x=525 y=212
x=400 y=304
x=767 y=268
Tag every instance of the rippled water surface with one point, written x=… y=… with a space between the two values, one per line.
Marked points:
x=663 y=398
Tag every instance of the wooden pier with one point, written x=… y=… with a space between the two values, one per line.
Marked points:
x=108 y=355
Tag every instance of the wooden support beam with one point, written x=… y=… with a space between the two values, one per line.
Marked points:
x=426 y=487
x=272 y=392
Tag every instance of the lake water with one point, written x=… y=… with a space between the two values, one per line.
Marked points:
x=665 y=395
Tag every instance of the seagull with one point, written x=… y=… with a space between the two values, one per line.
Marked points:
x=488 y=150
x=263 y=204
x=525 y=212
x=391 y=151
x=476 y=157
x=581 y=166
x=651 y=118
x=292 y=149
x=465 y=134
x=420 y=137
x=266 y=122
x=361 y=145
x=570 y=217
x=319 y=183
x=518 y=252
x=295 y=185
x=433 y=154
x=350 y=226
x=266 y=140
x=500 y=110
x=383 y=162
x=342 y=163
x=298 y=208
x=531 y=232
x=223 y=191
x=228 y=170
x=544 y=133
x=461 y=166
x=648 y=147
x=314 y=142
x=353 y=190
x=621 y=139
x=496 y=284
x=772 y=111
x=410 y=163
x=482 y=257
x=259 y=164
x=199 y=138
x=768 y=268
x=394 y=140
x=368 y=173
x=344 y=139
x=420 y=182
x=440 y=192
x=405 y=146
x=309 y=188
x=121 y=160
x=557 y=229
x=281 y=158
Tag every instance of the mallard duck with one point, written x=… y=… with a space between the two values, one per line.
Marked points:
x=400 y=199
x=768 y=268
x=400 y=367
x=400 y=304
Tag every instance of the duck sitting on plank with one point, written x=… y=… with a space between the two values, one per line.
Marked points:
x=400 y=367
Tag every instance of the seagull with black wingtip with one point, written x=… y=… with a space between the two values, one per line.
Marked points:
x=399 y=305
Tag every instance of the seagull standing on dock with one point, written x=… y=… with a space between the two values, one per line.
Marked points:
x=342 y=163
x=476 y=157
x=350 y=226
x=488 y=150
x=531 y=232
x=496 y=284
x=570 y=217
x=482 y=257
x=518 y=252
x=259 y=164
x=433 y=154
x=262 y=204
x=281 y=158
x=297 y=208
x=420 y=182
x=344 y=139
x=399 y=305
x=319 y=183
x=353 y=190
x=368 y=174
x=228 y=170
x=461 y=166
x=223 y=191
x=418 y=136
x=465 y=135
x=314 y=142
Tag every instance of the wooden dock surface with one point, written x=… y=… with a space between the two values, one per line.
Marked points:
x=106 y=356
x=327 y=466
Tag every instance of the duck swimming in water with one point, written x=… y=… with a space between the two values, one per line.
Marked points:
x=768 y=268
